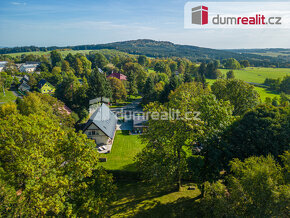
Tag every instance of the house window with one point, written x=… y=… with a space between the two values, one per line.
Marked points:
x=89 y=133
x=93 y=132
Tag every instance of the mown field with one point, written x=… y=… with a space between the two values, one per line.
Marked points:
x=9 y=96
x=135 y=198
x=139 y=199
x=124 y=150
x=259 y=74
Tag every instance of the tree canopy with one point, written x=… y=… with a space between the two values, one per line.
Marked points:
x=47 y=170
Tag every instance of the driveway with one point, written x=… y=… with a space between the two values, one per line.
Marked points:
x=121 y=112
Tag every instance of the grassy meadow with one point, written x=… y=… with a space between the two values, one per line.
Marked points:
x=259 y=74
x=139 y=199
x=63 y=52
x=9 y=96
x=124 y=150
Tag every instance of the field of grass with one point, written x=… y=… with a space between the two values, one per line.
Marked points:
x=272 y=54
x=264 y=93
x=64 y=53
x=124 y=150
x=259 y=74
x=9 y=96
x=139 y=199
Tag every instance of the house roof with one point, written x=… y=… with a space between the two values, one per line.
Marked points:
x=25 y=78
x=24 y=86
x=42 y=82
x=3 y=63
x=100 y=70
x=104 y=119
x=29 y=66
x=118 y=76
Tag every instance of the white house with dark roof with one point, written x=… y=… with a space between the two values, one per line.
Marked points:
x=28 y=68
x=101 y=127
x=24 y=87
x=3 y=65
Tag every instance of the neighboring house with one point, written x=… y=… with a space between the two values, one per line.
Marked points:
x=3 y=65
x=100 y=70
x=101 y=126
x=45 y=87
x=24 y=87
x=33 y=62
x=25 y=78
x=118 y=76
x=28 y=68
x=139 y=123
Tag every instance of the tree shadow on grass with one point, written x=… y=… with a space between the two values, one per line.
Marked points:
x=129 y=167
x=130 y=195
x=138 y=199
x=270 y=91
x=182 y=207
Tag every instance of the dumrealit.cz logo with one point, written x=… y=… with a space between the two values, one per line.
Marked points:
x=237 y=15
x=199 y=15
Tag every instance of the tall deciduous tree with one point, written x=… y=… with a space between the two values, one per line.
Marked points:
x=241 y=94
x=98 y=60
x=142 y=60
x=131 y=77
x=118 y=89
x=98 y=85
x=56 y=58
x=47 y=170
x=257 y=187
x=167 y=136
x=230 y=74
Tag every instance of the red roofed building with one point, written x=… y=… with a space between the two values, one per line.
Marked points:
x=119 y=76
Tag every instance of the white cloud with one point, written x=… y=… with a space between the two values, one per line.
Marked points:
x=18 y=3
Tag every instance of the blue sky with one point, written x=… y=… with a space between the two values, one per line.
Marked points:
x=71 y=22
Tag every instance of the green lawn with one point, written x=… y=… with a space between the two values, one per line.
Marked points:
x=259 y=74
x=125 y=148
x=139 y=199
x=264 y=93
x=9 y=96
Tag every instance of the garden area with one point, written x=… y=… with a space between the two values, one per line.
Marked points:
x=124 y=149
x=139 y=199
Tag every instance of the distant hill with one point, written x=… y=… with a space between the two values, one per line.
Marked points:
x=153 y=48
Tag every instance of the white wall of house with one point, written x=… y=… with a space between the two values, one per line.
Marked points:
x=26 y=69
x=93 y=132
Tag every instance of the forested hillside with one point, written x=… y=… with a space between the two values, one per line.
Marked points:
x=153 y=48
